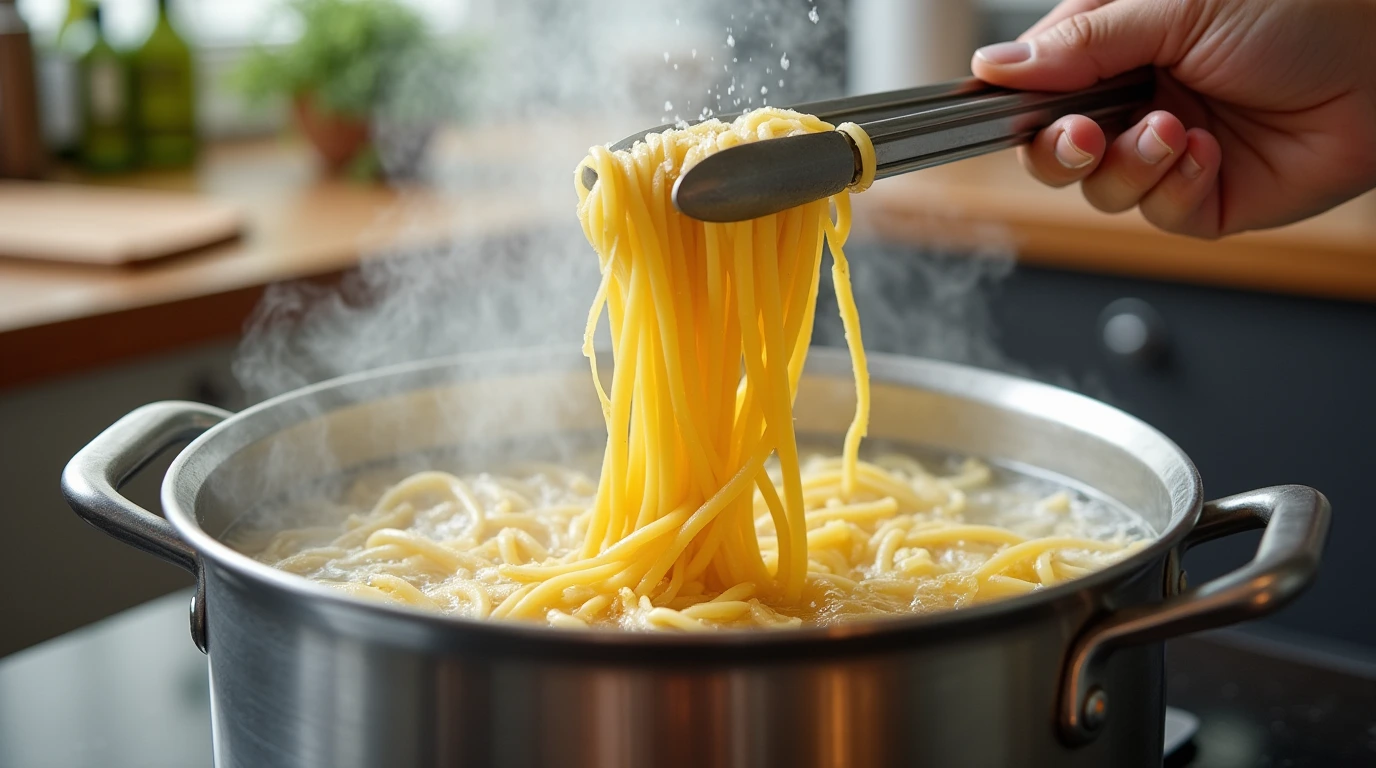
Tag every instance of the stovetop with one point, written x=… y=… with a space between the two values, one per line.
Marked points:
x=1266 y=701
x=132 y=691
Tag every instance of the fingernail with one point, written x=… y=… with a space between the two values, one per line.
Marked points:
x=1070 y=155
x=1005 y=53
x=1189 y=167
x=1151 y=148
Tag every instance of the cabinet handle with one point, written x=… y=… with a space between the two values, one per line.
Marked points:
x=1133 y=331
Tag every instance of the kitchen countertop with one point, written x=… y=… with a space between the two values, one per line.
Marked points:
x=132 y=690
x=59 y=319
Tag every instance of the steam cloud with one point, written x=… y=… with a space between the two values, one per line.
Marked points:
x=526 y=290
x=549 y=65
x=931 y=301
x=549 y=68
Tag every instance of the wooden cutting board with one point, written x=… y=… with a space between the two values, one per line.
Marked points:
x=107 y=225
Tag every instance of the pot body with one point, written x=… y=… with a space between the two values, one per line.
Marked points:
x=302 y=675
x=294 y=688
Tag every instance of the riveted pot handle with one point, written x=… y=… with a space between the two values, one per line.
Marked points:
x=93 y=477
x=1295 y=519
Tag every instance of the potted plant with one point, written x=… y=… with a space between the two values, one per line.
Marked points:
x=357 y=62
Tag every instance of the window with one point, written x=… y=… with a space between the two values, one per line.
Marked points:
x=220 y=30
x=207 y=22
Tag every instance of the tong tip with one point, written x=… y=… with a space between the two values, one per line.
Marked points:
x=759 y=178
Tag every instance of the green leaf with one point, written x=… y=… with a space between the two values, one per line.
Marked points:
x=356 y=57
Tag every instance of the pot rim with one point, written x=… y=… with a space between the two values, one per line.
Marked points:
x=1185 y=510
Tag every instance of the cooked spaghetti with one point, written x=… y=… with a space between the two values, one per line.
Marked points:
x=704 y=514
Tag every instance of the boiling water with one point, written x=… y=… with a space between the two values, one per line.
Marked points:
x=525 y=513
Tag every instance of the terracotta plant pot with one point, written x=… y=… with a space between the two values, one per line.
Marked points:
x=338 y=139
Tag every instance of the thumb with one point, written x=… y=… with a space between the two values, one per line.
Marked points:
x=1083 y=48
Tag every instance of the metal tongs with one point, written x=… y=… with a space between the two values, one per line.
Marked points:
x=911 y=129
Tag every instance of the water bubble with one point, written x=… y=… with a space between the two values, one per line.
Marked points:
x=695 y=53
x=731 y=41
x=768 y=70
x=781 y=83
x=676 y=67
x=764 y=89
x=666 y=57
x=668 y=106
x=734 y=60
x=783 y=61
x=812 y=15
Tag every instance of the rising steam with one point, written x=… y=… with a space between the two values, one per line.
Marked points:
x=596 y=70
x=526 y=290
x=548 y=70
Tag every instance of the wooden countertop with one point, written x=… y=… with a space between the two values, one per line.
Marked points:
x=991 y=200
x=57 y=319
x=60 y=318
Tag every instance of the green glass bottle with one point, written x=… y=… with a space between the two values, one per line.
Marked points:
x=164 y=96
x=107 y=120
x=58 y=88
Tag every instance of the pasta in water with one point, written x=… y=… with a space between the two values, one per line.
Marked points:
x=705 y=514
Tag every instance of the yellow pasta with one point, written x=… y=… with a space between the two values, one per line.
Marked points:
x=705 y=514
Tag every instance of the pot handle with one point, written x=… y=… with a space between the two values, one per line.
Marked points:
x=1296 y=521
x=93 y=477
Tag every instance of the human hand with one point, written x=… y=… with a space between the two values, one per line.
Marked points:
x=1265 y=111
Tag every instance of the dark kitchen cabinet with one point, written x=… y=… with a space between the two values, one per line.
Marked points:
x=1258 y=389
x=61 y=572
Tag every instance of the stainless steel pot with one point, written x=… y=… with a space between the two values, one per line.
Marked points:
x=303 y=676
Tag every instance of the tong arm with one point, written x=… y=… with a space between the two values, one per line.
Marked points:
x=910 y=129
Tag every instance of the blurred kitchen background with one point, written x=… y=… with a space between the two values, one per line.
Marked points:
x=218 y=201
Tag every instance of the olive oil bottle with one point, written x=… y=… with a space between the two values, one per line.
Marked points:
x=59 y=97
x=107 y=120
x=164 y=97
